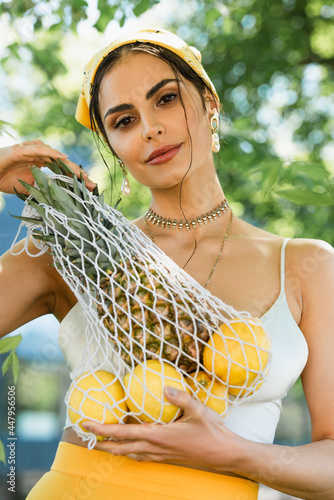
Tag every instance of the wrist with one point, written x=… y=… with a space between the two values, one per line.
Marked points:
x=235 y=453
x=249 y=458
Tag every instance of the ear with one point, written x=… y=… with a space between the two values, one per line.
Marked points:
x=211 y=104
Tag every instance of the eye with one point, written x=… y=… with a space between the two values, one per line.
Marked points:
x=168 y=98
x=124 y=122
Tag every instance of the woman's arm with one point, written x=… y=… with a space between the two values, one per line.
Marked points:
x=26 y=289
x=307 y=471
x=29 y=286
x=200 y=439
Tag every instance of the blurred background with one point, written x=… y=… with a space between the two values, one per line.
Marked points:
x=272 y=62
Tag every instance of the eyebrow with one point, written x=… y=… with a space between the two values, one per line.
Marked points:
x=149 y=94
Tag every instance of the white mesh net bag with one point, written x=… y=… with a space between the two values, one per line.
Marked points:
x=148 y=323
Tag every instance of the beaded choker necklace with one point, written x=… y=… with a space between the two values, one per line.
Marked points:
x=198 y=221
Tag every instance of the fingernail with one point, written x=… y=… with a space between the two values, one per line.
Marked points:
x=91 y=183
x=86 y=425
x=84 y=174
x=171 y=391
x=63 y=155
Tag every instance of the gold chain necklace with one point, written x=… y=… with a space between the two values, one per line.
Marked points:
x=198 y=221
x=220 y=251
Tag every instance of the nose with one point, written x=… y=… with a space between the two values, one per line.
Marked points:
x=151 y=130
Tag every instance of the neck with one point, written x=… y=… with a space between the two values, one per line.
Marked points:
x=188 y=200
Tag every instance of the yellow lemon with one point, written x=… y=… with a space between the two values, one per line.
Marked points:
x=145 y=386
x=237 y=353
x=208 y=391
x=95 y=396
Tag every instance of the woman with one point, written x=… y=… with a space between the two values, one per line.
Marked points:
x=149 y=98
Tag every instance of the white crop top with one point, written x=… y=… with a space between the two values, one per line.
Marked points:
x=256 y=418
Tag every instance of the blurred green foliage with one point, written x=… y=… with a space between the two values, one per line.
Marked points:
x=272 y=64
x=36 y=390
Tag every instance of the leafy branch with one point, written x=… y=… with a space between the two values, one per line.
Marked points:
x=9 y=345
x=317 y=189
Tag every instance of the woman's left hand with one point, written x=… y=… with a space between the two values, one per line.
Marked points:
x=199 y=438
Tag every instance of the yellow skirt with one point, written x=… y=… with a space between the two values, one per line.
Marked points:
x=81 y=474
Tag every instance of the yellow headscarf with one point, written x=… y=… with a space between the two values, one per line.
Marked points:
x=160 y=37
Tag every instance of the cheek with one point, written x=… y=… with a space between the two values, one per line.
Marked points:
x=125 y=147
x=198 y=121
x=200 y=131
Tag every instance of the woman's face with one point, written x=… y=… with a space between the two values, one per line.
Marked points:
x=145 y=122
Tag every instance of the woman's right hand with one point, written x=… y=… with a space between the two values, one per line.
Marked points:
x=16 y=160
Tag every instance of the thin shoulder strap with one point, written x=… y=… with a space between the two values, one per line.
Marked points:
x=283 y=264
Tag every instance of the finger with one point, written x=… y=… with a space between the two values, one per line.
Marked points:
x=39 y=148
x=149 y=457
x=29 y=143
x=38 y=141
x=38 y=152
x=140 y=458
x=119 y=431
x=183 y=400
x=125 y=448
x=78 y=170
x=138 y=450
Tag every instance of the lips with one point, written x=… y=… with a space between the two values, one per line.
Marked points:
x=163 y=154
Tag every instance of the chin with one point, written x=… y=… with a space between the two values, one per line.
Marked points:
x=168 y=183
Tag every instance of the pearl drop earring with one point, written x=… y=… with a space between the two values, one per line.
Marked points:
x=214 y=122
x=125 y=189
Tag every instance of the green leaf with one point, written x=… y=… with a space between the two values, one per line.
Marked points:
x=103 y=21
x=9 y=343
x=2 y=453
x=65 y=168
x=304 y=197
x=36 y=193
x=47 y=238
x=267 y=165
x=32 y=220
x=62 y=201
x=22 y=196
x=107 y=14
x=53 y=165
x=78 y=4
x=41 y=180
x=7 y=363
x=15 y=367
x=270 y=178
x=313 y=170
x=143 y=6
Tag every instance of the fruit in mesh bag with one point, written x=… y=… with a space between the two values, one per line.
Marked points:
x=237 y=354
x=147 y=311
x=208 y=391
x=144 y=387
x=97 y=396
x=161 y=339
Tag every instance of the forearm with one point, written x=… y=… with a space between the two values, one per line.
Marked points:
x=303 y=471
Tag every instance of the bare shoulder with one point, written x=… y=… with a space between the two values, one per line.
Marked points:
x=311 y=258
x=311 y=266
x=304 y=253
x=256 y=240
x=307 y=245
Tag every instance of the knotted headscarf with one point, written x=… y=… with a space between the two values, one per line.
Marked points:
x=159 y=37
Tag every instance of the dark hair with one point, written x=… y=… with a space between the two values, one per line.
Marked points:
x=179 y=67
x=177 y=64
